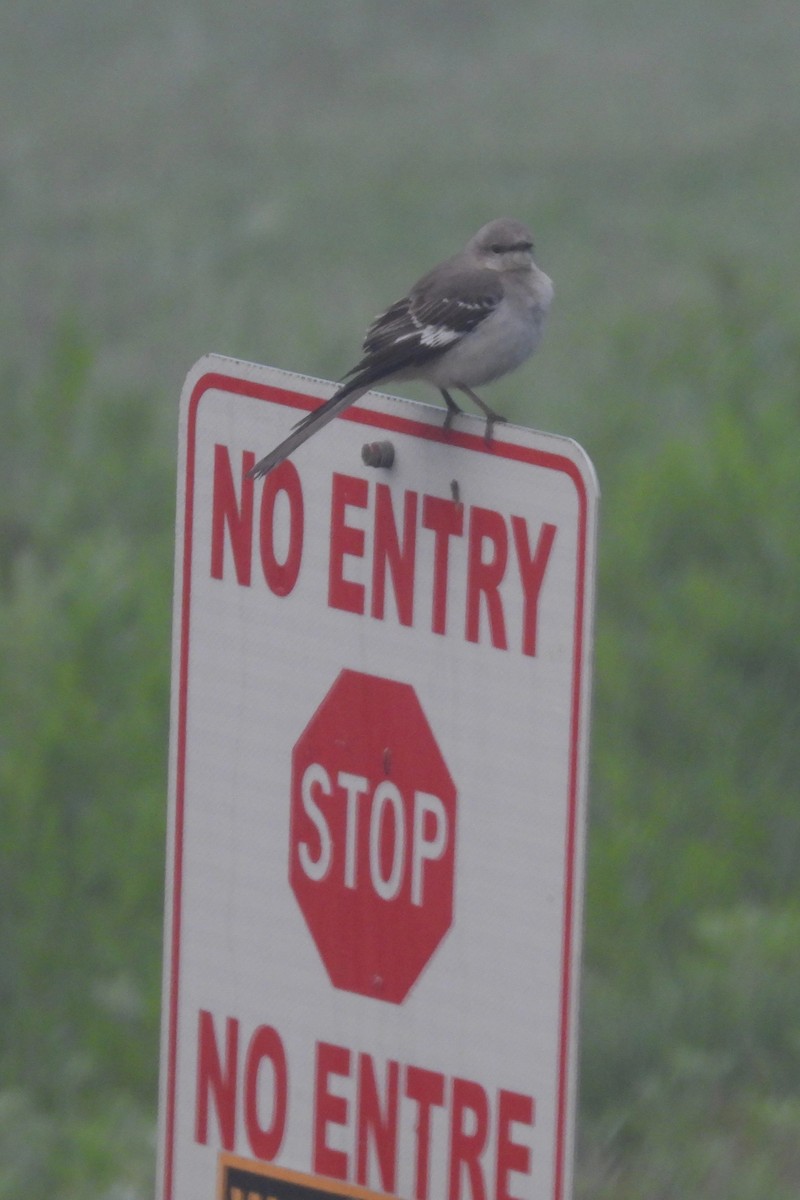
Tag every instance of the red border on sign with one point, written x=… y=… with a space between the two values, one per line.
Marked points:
x=468 y=441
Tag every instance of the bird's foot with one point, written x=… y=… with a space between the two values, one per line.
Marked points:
x=491 y=421
x=491 y=416
x=452 y=408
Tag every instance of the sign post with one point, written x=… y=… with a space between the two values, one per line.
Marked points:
x=378 y=768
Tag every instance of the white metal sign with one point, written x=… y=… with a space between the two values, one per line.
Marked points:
x=378 y=758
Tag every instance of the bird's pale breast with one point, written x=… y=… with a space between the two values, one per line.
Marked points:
x=502 y=342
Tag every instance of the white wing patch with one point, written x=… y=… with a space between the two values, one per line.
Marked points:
x=434 y=335
x=437 y=335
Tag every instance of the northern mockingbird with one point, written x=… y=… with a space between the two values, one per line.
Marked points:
x=470 y=320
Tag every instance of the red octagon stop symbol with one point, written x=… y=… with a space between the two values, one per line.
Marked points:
x=372 y=836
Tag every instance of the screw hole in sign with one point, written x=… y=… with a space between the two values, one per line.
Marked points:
x=372 y=836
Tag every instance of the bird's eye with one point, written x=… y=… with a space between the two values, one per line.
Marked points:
x=496 y=248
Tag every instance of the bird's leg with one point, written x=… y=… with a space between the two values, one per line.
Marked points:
x=489 y=413
x=452 y=408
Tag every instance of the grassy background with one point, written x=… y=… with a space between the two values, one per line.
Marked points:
x=260 y=179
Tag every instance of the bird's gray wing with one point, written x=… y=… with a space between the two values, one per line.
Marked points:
x=452 y=301
x=441 y=309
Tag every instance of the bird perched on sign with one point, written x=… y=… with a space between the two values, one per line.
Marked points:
x=470 y=320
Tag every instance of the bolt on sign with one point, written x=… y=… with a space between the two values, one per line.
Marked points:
x=380 y=717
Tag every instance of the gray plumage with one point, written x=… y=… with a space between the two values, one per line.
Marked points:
x=470 y=320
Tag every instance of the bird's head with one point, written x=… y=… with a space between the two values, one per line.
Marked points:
x=503 y=245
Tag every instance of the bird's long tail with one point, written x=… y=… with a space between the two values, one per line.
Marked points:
x=341 y=399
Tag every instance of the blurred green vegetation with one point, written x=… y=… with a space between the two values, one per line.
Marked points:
x=85 y=546
x=691 y=1028
x=260 y=183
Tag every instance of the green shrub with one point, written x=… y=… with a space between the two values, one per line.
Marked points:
x=86 y=548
